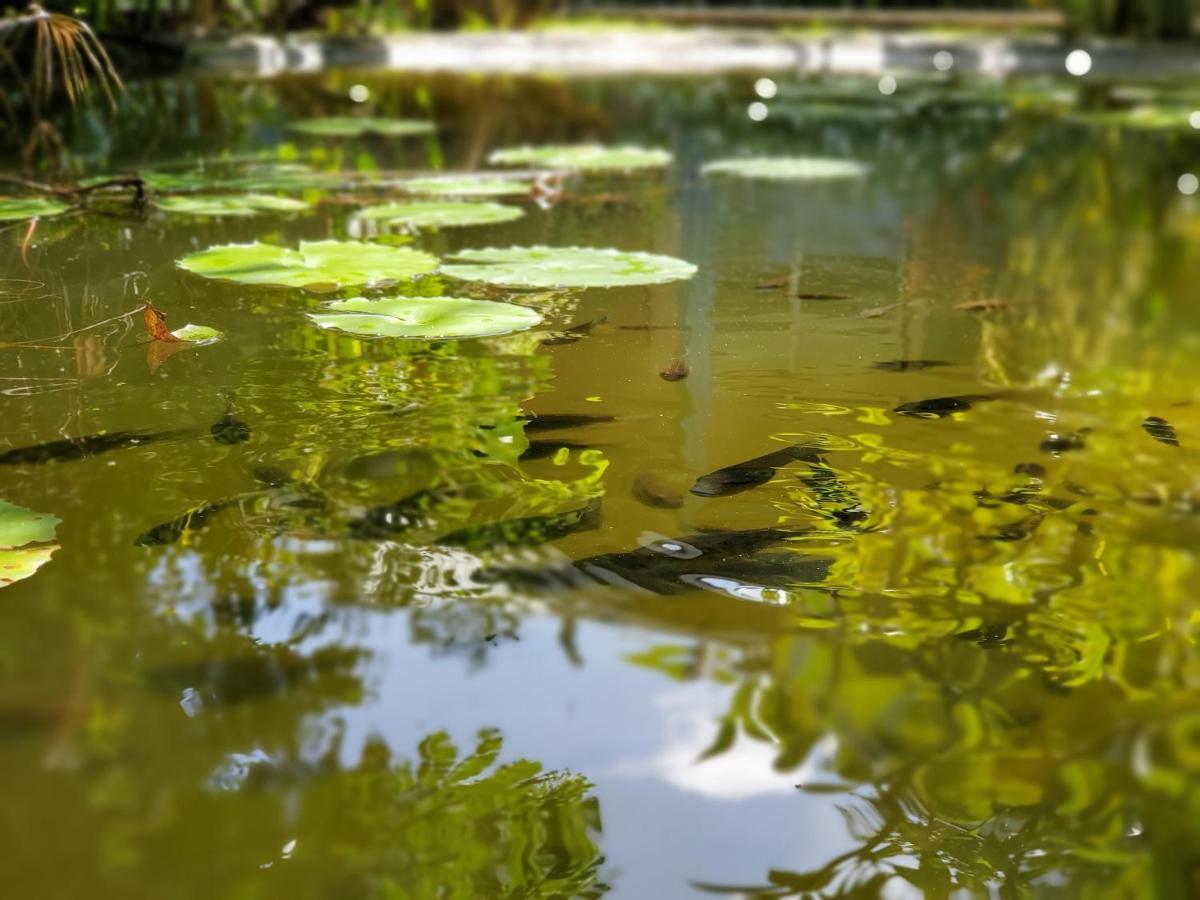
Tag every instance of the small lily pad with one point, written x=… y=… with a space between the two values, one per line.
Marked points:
x=582 y=157
x=355 y=126
x=425 y=317
x=788 y=168
x=15 y=208
x=245 y=205
x=465 y=186
x=566 y=267
x=197 y=334
x=442 y=215
x=337 y=263
x=25 y=541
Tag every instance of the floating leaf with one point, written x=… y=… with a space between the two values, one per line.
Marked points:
x=245 y=205
x=442 y=215
x=15 y=208
x=465 y=186
x=582 y=157
x=567 y=267
x=339 y=263
x=25 y=541
x=788 y=168
x=355 y=126
x=426 y=317
x=156 y=323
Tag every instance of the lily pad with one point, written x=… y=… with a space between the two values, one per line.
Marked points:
x=788 y=168
x=15 y=208
x=582 y=157
x=425 y=317
x=245 y=205
x=566 y=267
x=355 y=126
x=465 y=186
x=441 y=215
x=340 y=263
x=25 y=541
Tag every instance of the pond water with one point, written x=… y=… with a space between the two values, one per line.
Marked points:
x=284 y=648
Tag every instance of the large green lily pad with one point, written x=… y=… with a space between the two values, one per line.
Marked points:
x=244 y=205
x=465 y=186
x=26 y=541
x=788 y=168
x=443 y=214
x=566 y=267
x=355 y=126
x=582 y=157
x=15 y=208
x=425 y=317
x=340 y=263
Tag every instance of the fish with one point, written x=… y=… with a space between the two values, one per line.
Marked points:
x=544 y=449
x=908 y=365
x=847 y=511
x=526 y=531
x=819 y=296
x=940 y=407
x=1054 y=442
x=387 y=521
x=71 y=449
x=648 y=327
x=1161 y=430
x=572 y=333
x=676 y=370
x=876 y=312
x=1014 y=531
x=981 y=305
x=556 y=421
x=193 y=520
x=229 y=430
x=751 y=473
x=1032 y=469
x=773 y=284
x=708 y=561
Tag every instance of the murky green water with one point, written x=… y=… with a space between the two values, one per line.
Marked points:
x=928 y=654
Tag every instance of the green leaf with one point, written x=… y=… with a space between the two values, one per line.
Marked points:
x=355 y=126
x=465 y=186
x=566 y=267
x=25 y=538
x=425 y=317
x=582 y=157
x=245 y=205
x=15 y=208
x=442 y=215
x=197 y=334
x=788 y=168
x=342 y=263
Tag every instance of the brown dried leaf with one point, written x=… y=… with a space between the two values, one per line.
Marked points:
x=156 y=324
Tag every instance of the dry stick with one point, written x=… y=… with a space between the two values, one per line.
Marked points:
x=62 y=337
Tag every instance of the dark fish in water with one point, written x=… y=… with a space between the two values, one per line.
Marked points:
x=1061 y=443
x=230 y=430
x=272 y=476
x=396 y=518
x=1014 y=531
x=716 y=561
x=69 y=449
x=557 y=421
x=940 y=407
x=846 y=509
x=908 y=365
x=988 y=635
x=1161 y=430
x=879 y=311
x=192 y=520
x=818 y=296
x=1030 y=496
x=573 y=333
x=524 y=532
x=1032 y=469
x=544 y=449
x=751 y=473
x=773 y=284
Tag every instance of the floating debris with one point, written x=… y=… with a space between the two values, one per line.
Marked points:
x=677 y=370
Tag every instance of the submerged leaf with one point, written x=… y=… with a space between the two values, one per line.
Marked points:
x=342 y=263
x=425 y=317
x=788 y=168
x=245 y=205
x=441 y=215
x=465 y=186
x=582 y=157
x=25 y=538
x=15 y=208
x=566 y=267
x=355 y=126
